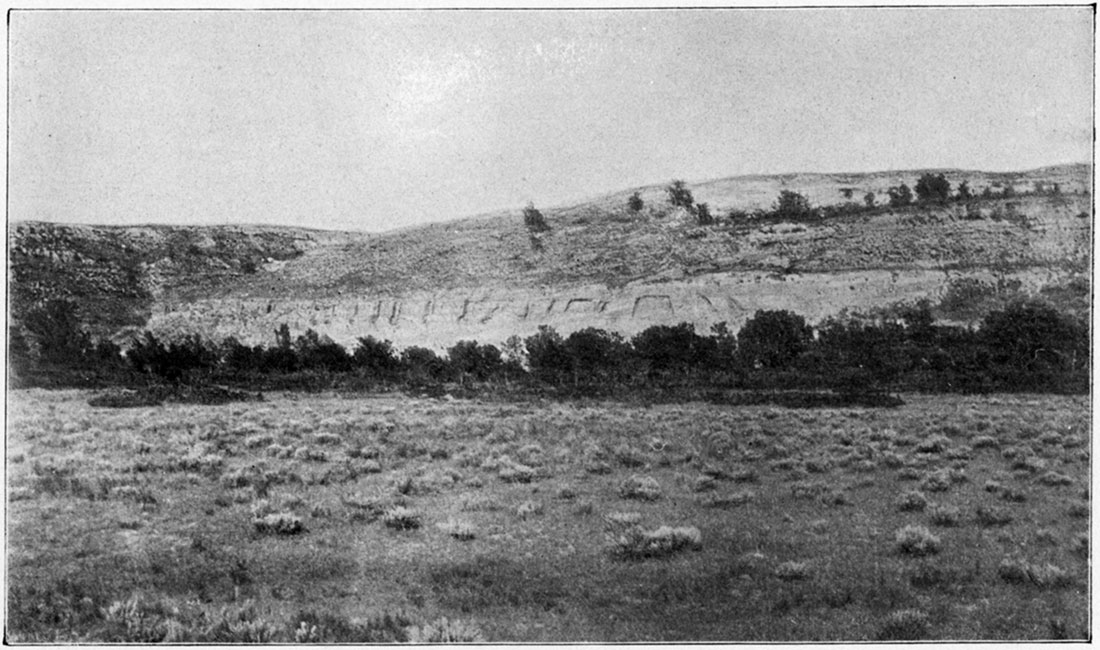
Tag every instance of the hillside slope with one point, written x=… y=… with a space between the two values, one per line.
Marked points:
x=600 y=264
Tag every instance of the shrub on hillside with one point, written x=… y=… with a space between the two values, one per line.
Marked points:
x=792 y=206
x=703 y=215
x=679 y=196
x=533 y=219
x=933 y=188
x=900 y=196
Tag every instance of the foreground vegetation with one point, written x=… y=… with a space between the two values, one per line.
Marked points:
x=322 y=518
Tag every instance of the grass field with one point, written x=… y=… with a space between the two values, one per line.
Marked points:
x=322 y=518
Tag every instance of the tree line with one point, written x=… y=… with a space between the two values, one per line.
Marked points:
x=1026 y=347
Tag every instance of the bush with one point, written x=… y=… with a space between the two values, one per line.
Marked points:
x=638 y=487
x=463 y=531
x=1018 y=571
x=773 y=339
x=375 y=357
x=679 y=196
x=730 y=500
x=944 y=515
x=672 y=350
x=445 y=631
x=791 y=571
x=549 y=360
x=534 y=220
x=639 y=545
x=900 y=196
x=279 y=523
x=703 y=215
x=512 y=472
x=597 y=356
x=401 y=518
x=56 y=330
x=933 y=188
x=904 y=625
x=993 y=516
x=317 y=352
x=963 y=193
x=422 y=365
x=635 y=203
x=468 y=359
x=912 y=501
x=792 y=206
x=917 y=540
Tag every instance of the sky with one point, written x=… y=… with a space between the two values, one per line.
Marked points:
x=374 y=120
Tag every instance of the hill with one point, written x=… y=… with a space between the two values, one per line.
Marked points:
x=600 y=264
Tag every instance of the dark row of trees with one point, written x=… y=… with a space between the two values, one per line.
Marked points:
x=1027 y=346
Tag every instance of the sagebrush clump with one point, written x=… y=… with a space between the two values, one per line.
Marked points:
x=645 y=488
x=278 y=523
x=401 y=518
x=917 y=541
x=637 y=544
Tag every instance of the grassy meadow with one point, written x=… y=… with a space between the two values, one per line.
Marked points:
x=390 y=518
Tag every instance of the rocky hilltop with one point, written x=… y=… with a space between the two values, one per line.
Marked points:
x=600 y=264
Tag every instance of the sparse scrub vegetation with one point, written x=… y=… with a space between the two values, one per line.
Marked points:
x=174 y=493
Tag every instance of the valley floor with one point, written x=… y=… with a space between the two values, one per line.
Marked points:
x=311 y=517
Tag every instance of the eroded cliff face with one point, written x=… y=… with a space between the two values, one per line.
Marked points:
x=440 y=319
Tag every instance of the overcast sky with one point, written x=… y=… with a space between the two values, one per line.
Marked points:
x=376 y=120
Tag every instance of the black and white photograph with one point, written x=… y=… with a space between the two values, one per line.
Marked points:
x=544 y=325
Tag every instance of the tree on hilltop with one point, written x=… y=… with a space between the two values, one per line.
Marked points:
x=703 y=215
x=793 y=206
x=635 y=202
x=933 y=188
x=679 y=195
x=900 y=196
x=963 y=192
x=534 y=220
